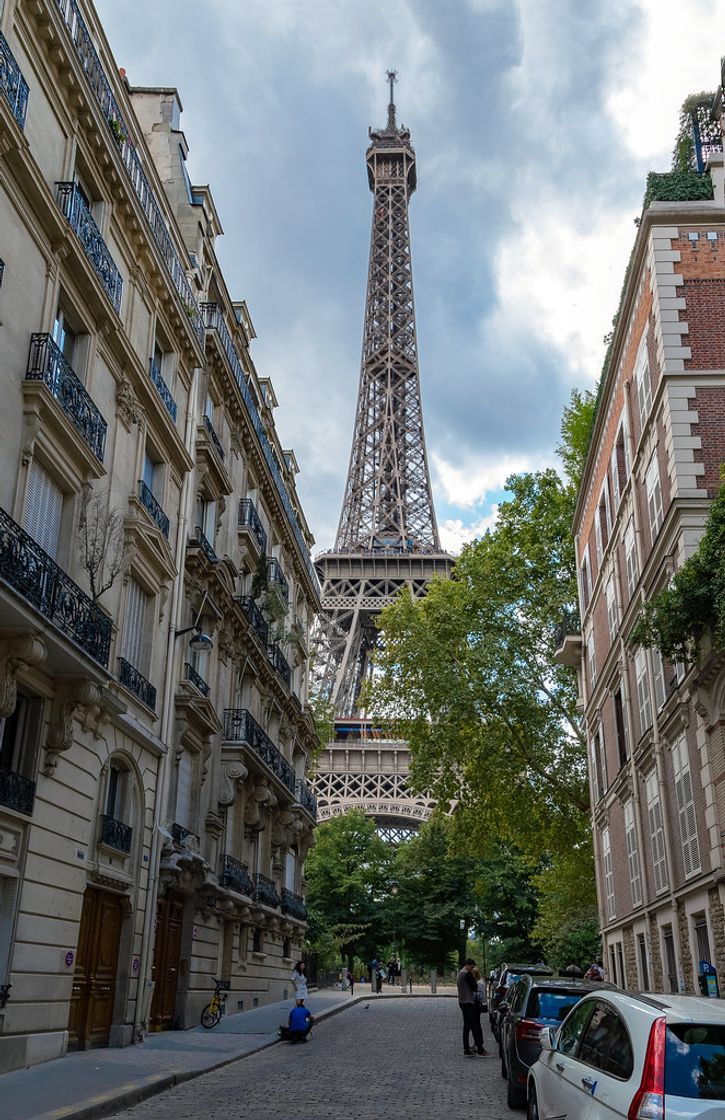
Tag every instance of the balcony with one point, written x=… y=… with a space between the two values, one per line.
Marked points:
x=12 y=83
x=79 y=217
x=137 y=684
x=568 y=641
x=47 y=363
x=196 y=680
x=276 y=582
x=213 y=437
x=306 y=798
x=30 y=571
x=184 y=837
x=265 y=891
x=293 y=905
x=240 y=726
x=100 y=89
x=17 y=792
x=255 y=616
x=152 y=507
x=279 y=663
x=249 y=519
x=235 y=876
x=116 y=834
x=162 y=389
x=201 y=541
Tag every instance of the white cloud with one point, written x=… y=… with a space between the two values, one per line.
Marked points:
x=454 y=533
x=466 y=484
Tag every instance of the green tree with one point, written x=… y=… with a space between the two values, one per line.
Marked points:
x=508 y=904
x=567 y=926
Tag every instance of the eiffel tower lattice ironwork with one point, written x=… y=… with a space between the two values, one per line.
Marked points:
x=387 y=537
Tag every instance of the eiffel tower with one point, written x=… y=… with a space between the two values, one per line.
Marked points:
x=387 y=538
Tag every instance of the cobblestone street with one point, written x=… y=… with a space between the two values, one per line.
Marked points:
x=398 y=1059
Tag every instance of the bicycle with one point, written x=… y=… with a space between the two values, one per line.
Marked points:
x=217 y=1005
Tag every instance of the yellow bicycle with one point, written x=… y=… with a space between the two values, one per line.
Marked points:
x=217 y=1005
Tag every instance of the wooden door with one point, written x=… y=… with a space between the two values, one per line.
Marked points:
x=167 y=953
x=96 y=968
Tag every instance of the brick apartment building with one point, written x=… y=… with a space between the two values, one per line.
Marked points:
x=654 y=732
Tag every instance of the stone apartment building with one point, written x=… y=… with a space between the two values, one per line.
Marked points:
x=156 y=590
x=654 y=732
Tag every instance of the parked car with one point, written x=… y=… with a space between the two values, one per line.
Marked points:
x=508 y=974
x=533 y=1003
x=632 y=1056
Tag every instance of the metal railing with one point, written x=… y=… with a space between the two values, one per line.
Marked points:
x=255 y=616
x=30 y=571
x=180 y=835
x=213 y=437
x=116 y=834
x=17 y=792
x=101 y=89
x=214 y=320
x=235 y=876
x=136 y=683
x=152 y=507
x=249 y=518
x=204 y=544
x=162 y=389
x=265 y=891
x=294 y=905
x=47 y=363
x=79 y=217
x=569 y=626
x=279 y=663
x=12 y=83
x=306 y=798
x=196 y=680
x=240 y=726
x=276 y=577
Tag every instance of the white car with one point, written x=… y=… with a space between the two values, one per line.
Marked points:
x=635 y=1056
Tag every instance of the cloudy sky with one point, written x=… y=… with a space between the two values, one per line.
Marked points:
x=534 y=123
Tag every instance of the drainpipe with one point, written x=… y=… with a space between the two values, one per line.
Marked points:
x=162 y=783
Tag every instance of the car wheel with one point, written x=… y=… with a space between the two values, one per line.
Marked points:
x=504 y=1071
x=532 y=1112
x=515 y=1097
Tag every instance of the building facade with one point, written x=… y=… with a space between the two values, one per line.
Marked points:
x=655 y=730
x=156 y=589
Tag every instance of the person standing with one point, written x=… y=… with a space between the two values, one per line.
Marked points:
x=351 y=981
x=299 y=980
x=467 y=990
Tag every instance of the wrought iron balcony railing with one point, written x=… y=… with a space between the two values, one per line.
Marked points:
x=265 y=891
x=279 y=663
x=294 y=905
x=152 y=507
x=101 y=89
x=180 y=835
x=569 y=625
x=276 y=578
x=306 y=798
x=196 y=680
x=136 y=683
x=116 y=834
x=255 y=616
x=214 y=320
x=249 y=518
x=12 y=83
x=30 y=571
x=200 y=539
x=47 y=363
x=235 y=876
x=81 y=220
x=240 y=726
x=214 y=437
x=17 y=792
x=162 y=389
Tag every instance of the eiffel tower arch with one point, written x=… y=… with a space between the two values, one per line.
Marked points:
x=387 y=538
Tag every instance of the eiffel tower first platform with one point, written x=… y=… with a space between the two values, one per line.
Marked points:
x=387 y=538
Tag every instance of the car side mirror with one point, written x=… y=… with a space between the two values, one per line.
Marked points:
x=547 y=1038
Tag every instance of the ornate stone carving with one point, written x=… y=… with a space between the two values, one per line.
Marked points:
x=17 y=654
x=128 y=408
x=70 y=696
x=231 y=776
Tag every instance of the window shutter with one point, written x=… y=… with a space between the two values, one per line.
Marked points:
x=43 y=509
x=133 y=631
x=632 y=854
x=686 y=807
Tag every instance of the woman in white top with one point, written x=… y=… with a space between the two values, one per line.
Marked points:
x=299 y=980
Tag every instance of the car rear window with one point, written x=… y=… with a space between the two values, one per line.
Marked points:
x=695 y=1061
x=551 y=1005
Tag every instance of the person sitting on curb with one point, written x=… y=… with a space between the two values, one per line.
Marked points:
x=299 y=1023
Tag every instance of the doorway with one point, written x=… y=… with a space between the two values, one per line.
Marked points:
x=167 y=954
x=96 y=970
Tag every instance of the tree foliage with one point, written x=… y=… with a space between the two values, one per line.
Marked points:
x=567 y=925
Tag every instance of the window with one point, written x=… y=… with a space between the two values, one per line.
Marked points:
x=630 y=557
x=134 y=626
x=658 y=674
x=599 y=765
x=64 y=336
x=702 y=939
x=620 y=966
x=9 y=889
x=668 y=941
x=605 y=1043
x=608 y=874
x=209 y=407
x=598 y=534
x=19 y=744
x=630 y=832
x=290 y=870
x=585 y=579
x=657 y=832
x=257 y=940
x=43 y=508
x=643 y=384
x=643 y=966
x=591 y=661
x=206 y=515
x=614 y=472
x=114 y=793
x=610 y=595
x=622 y=744
x=686 y=806
x=653 y=489
x=152 y=472
x=643 y=693
x=572 y=1030
x=693 y=1064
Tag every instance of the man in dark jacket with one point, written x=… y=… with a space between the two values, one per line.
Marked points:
x=467 y=988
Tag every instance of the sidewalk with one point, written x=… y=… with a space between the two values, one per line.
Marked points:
x=96 y=1083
